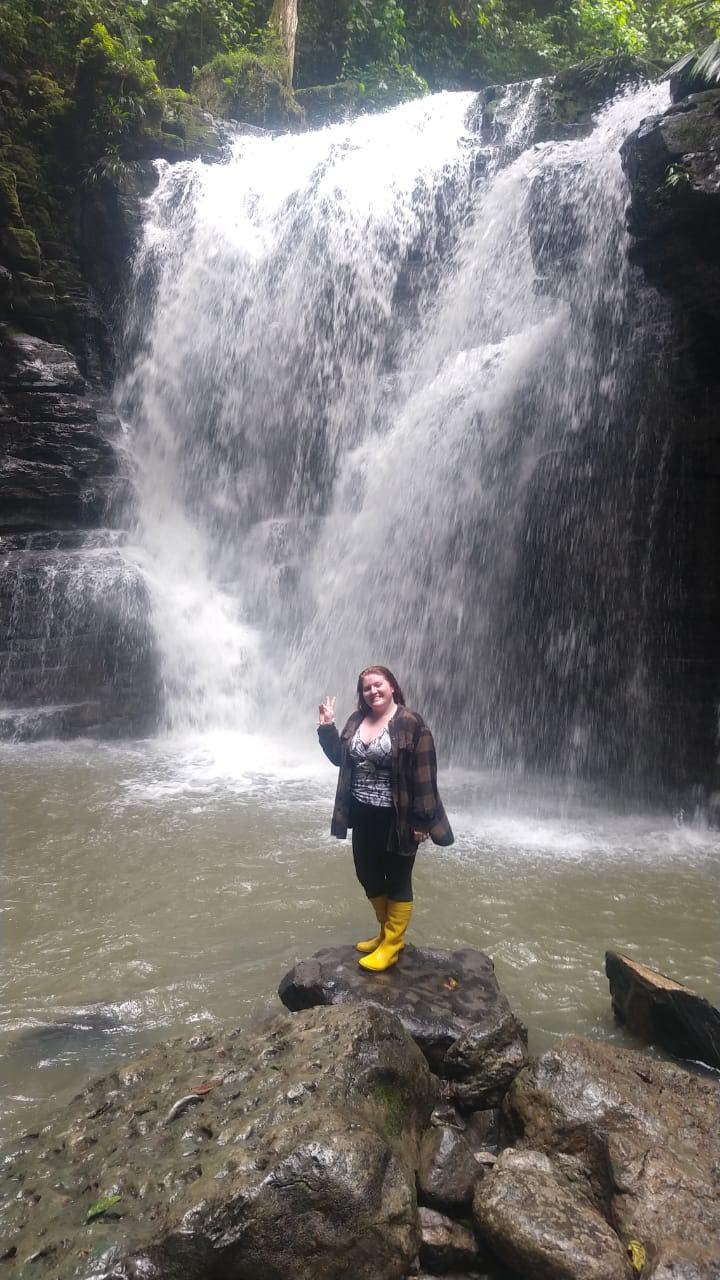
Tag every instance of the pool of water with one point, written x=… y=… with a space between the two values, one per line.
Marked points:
x=152 y=888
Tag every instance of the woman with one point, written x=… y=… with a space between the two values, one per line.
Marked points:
x=387 y=792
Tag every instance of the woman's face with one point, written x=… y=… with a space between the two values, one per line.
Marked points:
x=377 y=692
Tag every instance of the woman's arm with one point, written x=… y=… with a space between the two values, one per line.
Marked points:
x=425 y=793
x=428 y=814
x=327 y=730
x=330 y=742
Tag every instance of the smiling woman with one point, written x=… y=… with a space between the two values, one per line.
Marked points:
x=387 y=793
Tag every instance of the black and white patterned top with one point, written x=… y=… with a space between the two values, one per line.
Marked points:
x=371 y=763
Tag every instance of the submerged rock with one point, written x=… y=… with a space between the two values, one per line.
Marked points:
x=290 y=1151
x=662 y=1011
x=449 y=1002
x=641 y=1139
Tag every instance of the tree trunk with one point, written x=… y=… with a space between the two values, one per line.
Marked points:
x=284 y=20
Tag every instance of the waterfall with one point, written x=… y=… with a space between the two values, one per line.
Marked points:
x=397 y=398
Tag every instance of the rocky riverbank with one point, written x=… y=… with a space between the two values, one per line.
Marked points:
x=322 y=1145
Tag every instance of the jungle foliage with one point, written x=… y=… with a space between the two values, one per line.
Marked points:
x=435 y=40
x=108 y=72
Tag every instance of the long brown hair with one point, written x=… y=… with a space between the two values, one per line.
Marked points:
x=398 y=694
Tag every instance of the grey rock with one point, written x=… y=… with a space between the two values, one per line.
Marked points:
x=445 y=1244
x=679 y=1261
x=640 y=1137
x=449 y=1002
x=448 y=1170
x=299 y=1160
x=542 y=1226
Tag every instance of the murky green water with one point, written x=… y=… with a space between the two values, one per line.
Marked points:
x=151 y=888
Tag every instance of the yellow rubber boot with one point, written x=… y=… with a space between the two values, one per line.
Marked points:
x=398 y=918
x=380 y=906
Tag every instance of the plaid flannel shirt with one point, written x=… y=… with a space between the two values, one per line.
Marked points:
x=413 y=777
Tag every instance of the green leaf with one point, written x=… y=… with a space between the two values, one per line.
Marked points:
x=101 y=1206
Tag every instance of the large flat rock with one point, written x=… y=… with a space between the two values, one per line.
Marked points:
x=663 y=1011
x=449 y=1001
x=289 y=1151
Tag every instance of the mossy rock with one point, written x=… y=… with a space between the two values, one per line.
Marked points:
x=10 y=212
x=64 y=276
x=327 y=103
x=33 y=297
x=24 y=163
x=20 y=248
x=200 y=132
x=249 y=87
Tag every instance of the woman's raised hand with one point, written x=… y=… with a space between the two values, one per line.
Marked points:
x=326 y=710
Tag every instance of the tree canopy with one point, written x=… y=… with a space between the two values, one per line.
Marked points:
x=458 y=44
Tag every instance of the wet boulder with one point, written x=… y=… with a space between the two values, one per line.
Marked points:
x=449 y=1002
x=639 y=1138
x=448 y=1169
x=289 y=1151
x=663 y=1011
x=542 y=1226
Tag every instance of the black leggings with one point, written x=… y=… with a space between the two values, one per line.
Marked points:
x=379 y=872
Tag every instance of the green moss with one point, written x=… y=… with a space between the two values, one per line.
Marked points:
x=10 y=214
x=19 y=245
x=390 y=1097
x=184 y=118
x=248 y=86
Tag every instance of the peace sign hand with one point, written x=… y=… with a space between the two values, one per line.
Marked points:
x=326 y=710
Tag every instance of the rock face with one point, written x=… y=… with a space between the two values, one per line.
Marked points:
x=639 y=1139
x=565 y=104
x=662 y=1011
x=290 y=1152
x=448 y=1001
x=77 y=653
x=673 y=164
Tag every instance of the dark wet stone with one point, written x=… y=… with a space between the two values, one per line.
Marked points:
x=448 y=1170
x=542 y=1226
x=672 y=162
x=449 y=1002
x=77 y=647
x=487 y=1131
x=290 y=1151
x=663 y=1011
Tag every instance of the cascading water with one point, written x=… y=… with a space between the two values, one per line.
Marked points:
x=395 y=403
